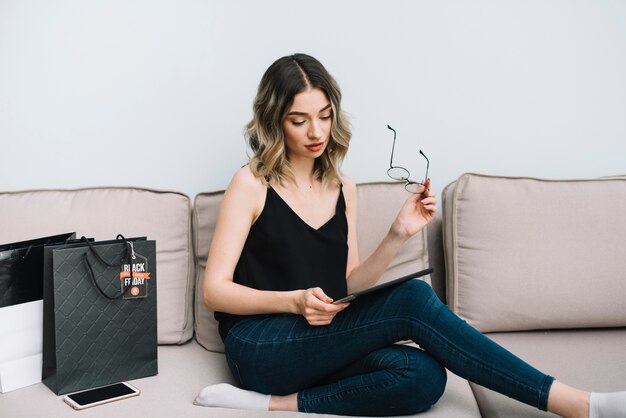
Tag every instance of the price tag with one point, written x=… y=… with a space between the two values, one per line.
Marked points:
x=134 y=276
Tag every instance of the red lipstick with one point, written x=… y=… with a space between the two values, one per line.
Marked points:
x=315 y=147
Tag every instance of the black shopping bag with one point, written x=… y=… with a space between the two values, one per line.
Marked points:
x=21 y=329
x=21 y=269
x=100 y=313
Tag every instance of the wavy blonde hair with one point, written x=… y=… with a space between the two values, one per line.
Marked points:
x=285 y=78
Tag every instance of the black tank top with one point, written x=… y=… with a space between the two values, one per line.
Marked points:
x=282 y=253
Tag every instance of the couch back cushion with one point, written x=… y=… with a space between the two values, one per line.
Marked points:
x=378 y=204
x=102 y=213
x=525 y=253
x=205 y=208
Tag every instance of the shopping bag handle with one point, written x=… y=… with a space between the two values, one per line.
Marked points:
x=129 y=251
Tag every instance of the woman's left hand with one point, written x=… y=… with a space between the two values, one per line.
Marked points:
x=417 y=212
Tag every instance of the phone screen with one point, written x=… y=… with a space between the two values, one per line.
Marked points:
x=100 y=394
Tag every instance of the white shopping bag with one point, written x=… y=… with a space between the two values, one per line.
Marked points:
x=21 y=331
x=21 y=310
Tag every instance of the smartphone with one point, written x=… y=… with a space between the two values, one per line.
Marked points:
x=101 y=395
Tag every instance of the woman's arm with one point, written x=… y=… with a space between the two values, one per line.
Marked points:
x=242 y=203
x=417 y=212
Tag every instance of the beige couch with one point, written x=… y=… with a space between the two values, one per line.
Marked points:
x=538 y=265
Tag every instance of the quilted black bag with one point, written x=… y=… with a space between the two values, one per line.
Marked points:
x=100 y=313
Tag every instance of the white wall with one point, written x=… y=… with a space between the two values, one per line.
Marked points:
x=155 y=93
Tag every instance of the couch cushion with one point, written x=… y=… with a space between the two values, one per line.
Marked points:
x=526 y=254
x=102 y=213
x=183 y=371
x=436 y=258
x=205 y=206
x=378 y=204
x=587 y=359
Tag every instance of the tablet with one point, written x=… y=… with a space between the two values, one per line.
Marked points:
x=385 y=285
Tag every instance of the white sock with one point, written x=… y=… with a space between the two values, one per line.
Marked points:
x=224 y=395
x=607 y=405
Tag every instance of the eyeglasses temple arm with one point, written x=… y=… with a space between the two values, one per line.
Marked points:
x=427 y=164
x=393 y=146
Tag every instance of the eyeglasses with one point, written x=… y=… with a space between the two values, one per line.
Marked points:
x=402 y=174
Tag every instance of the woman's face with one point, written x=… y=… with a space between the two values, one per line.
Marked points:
x=307 y=124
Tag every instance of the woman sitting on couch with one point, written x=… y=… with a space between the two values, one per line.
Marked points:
x=285 y=248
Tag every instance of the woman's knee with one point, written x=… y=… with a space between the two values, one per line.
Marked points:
x=416 y=294
x=424 y=381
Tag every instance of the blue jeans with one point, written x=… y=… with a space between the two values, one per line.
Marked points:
x=353 y=367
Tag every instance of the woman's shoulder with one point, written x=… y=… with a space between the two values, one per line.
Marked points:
x=246 y=180
x=347 y=182
x=348 y=187
x=246 y=190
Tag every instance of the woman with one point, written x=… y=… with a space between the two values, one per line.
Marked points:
x=285 y=247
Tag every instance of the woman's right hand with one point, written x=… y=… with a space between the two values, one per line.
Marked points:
x=417 y=212
x=317 y=308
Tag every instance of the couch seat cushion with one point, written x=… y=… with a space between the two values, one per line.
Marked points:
x=183 y=371
x=591 y=360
